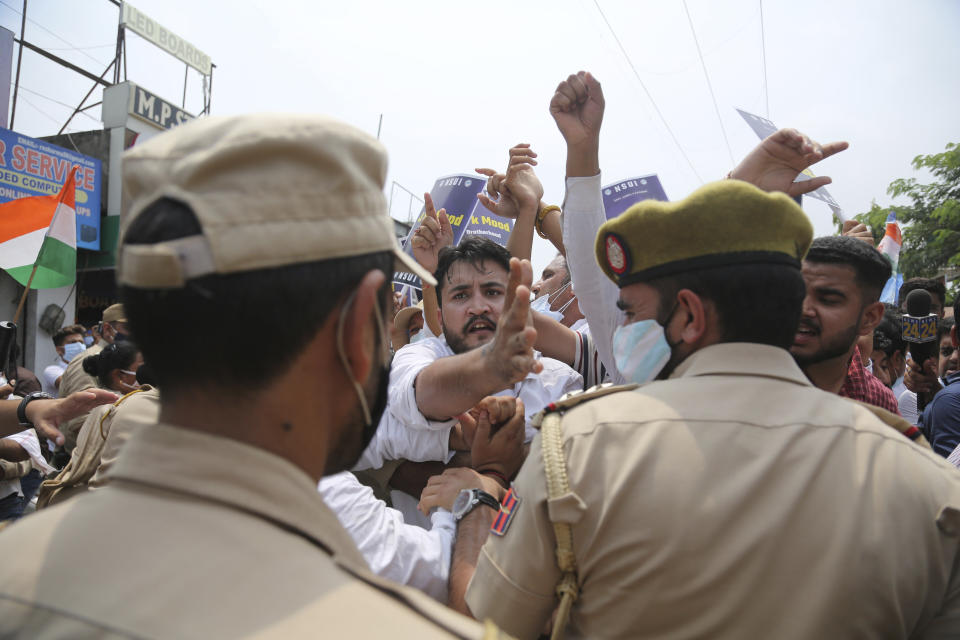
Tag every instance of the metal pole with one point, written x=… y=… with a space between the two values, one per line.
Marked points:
x=209 y=97
x=79 y=109
x=379 y=126
x=186 y=73
x=16 y=84
x=116 y=56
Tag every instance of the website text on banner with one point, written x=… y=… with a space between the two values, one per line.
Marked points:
x=30 y=167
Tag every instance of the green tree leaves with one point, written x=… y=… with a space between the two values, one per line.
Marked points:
x=931 y=222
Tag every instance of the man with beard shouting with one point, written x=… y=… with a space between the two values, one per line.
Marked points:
x=211 y=526
x=437 y=379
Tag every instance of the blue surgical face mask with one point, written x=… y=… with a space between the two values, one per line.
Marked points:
x=72 y=349
x=641 y=349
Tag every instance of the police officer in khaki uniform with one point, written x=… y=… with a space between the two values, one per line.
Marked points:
x=730 y=498
x=211 y=525
x=76 y=379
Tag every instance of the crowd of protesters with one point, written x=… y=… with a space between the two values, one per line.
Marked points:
x=698 y=421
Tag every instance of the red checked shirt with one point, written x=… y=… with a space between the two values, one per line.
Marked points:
x=864 y=386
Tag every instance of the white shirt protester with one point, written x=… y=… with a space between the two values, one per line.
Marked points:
x=536 y=390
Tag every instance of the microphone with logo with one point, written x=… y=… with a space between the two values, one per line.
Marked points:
x=919 y=330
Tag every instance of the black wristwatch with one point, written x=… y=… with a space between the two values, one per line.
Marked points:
x=22 y=409
x=467 y=499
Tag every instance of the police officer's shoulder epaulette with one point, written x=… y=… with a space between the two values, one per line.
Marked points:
x=897 y=422
x=572 y=399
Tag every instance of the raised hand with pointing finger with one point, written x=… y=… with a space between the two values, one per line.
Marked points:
x=433 y=234
x=510 y=357
x=775 y=163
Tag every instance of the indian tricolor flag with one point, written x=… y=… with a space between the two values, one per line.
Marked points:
x=890 y=247
x=41 y=231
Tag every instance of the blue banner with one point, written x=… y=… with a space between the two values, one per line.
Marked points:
x=30 y=167
x=458 y=195
x=620 y=196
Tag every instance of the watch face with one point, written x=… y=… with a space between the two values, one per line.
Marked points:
x=462 y=502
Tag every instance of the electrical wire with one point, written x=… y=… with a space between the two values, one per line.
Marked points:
x=706 y=75
x=50 y=117
x=62 y=104
x=647 y=91
x=58 y=37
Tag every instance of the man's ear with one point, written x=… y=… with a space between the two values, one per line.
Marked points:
x=870 y=318
x=692 y=310
x=360 y=331
x=900 y=361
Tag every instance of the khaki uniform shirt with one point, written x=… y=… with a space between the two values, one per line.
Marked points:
x=733 y=501
x=199 y=536
x=104 y=431
x=76 y=379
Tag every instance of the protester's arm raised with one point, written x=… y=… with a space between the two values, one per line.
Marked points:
x=775 y=163
x=450 y=386
x=433 y=234
x=577 y=107
x=518 y=195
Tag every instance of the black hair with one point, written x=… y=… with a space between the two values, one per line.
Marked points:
x=871 y=268
x=119 y=355
x=944 y=327
x=474 y=250
x=888 y=335
x=933 y=285
x=755 y=303
x=231 y=331
x=68 y=330
x=145 y=375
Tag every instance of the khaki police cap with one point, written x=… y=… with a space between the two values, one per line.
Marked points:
x=268 y=190
x=722 y=223
x=114 y=313
x=401 y=321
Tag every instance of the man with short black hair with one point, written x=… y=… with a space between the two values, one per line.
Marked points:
x=844 y=277
x=68 y=342
x=940 y=420
x=733 y=499
x=251 y=221
x=480 y=354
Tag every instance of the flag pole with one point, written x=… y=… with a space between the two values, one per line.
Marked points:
x=23 y=298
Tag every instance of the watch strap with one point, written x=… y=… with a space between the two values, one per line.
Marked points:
x=22 y=407
x=482 y=497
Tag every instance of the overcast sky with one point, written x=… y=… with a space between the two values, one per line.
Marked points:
x=459 y=83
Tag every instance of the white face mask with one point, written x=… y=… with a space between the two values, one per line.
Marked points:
x=418 y=336
x=135 y=385
x=542 y=304
x=72 y=350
